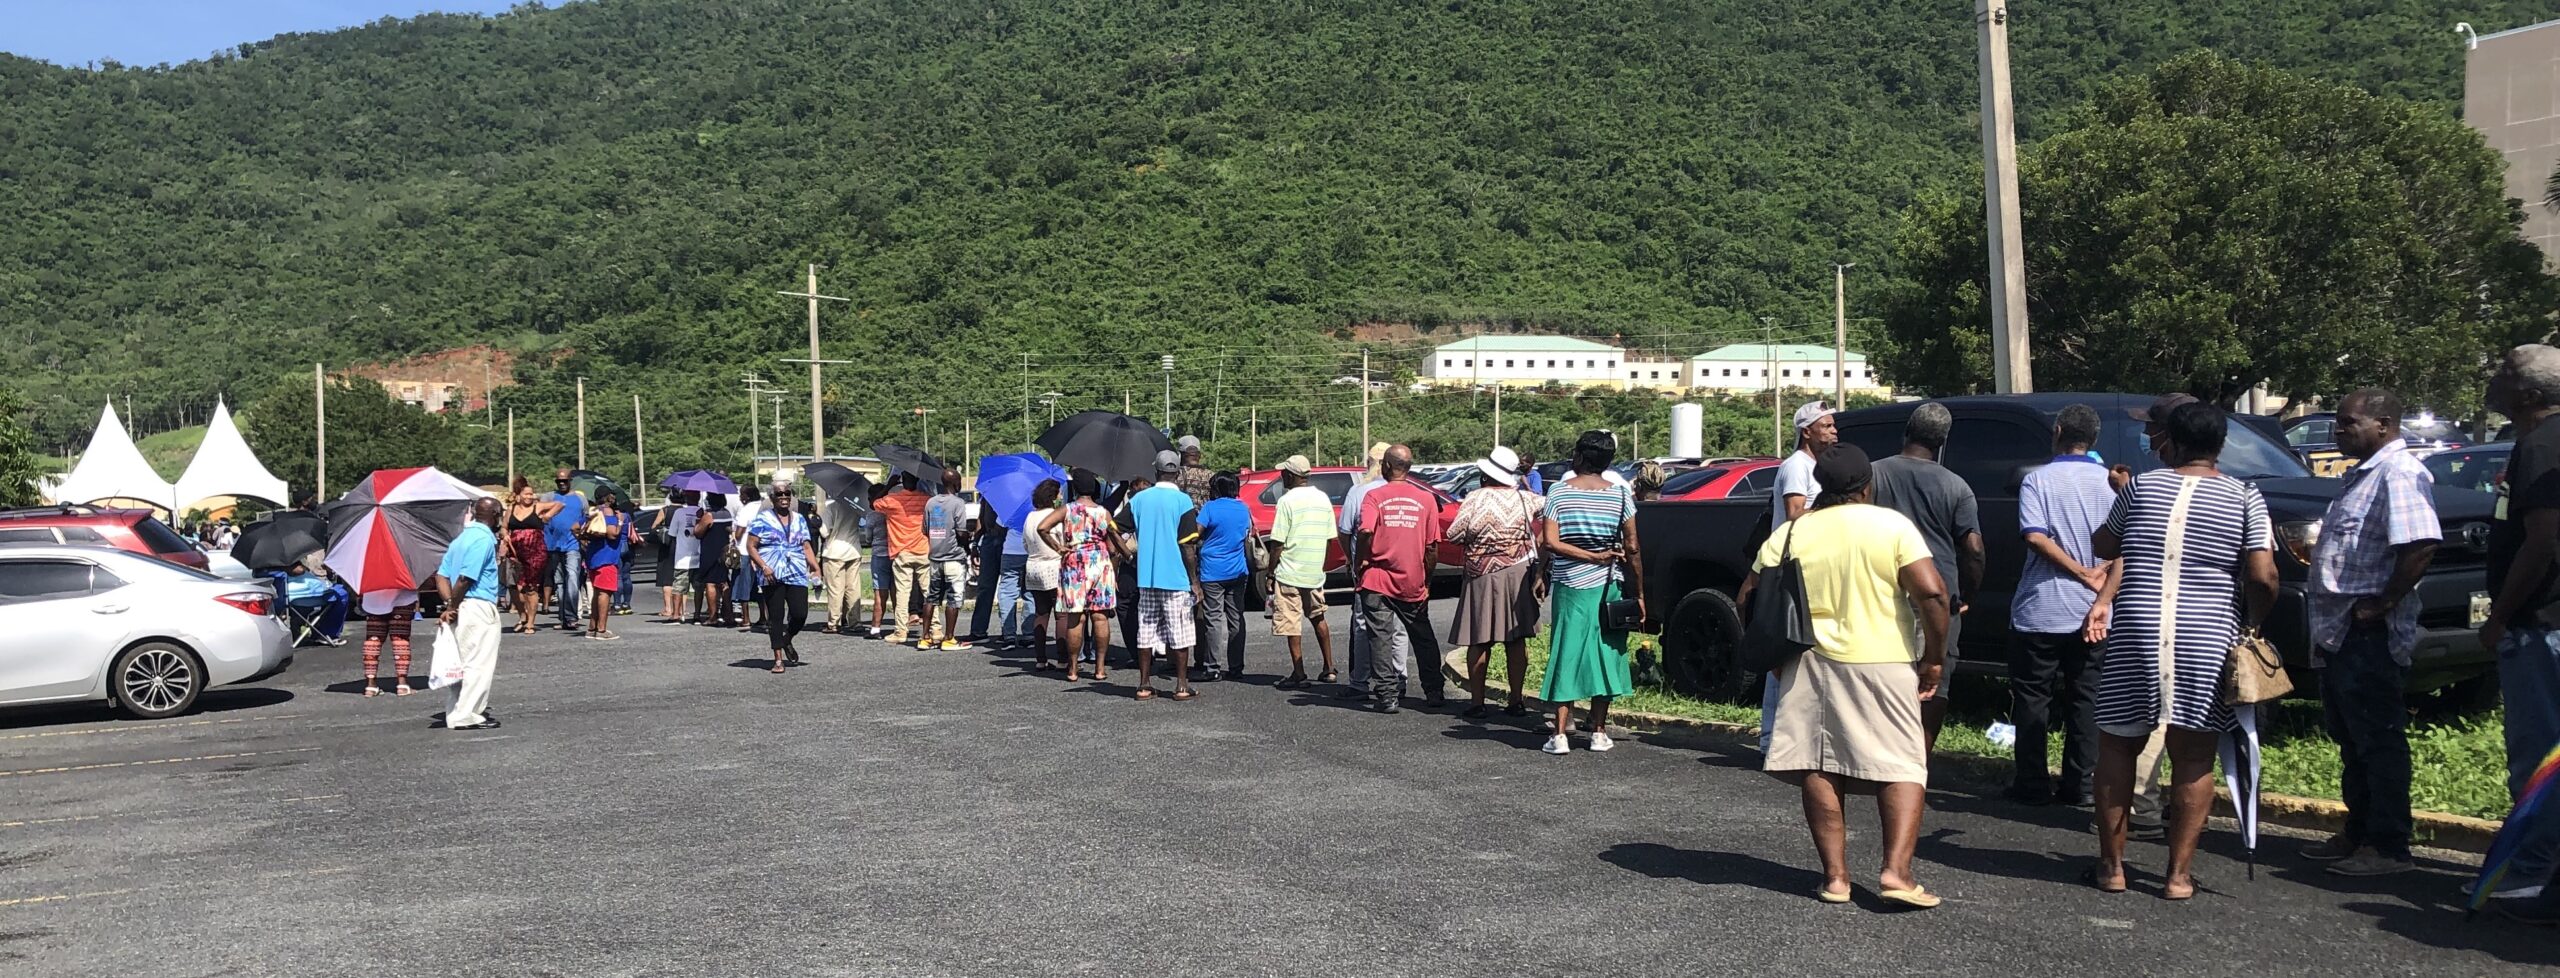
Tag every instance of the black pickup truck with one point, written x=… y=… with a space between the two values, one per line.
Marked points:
x=1697 y=553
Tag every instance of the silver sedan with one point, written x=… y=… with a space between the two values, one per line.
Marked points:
x=98 y=624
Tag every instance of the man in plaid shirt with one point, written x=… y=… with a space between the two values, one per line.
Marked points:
x=2373 y=547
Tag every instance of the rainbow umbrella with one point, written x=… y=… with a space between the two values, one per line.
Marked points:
x=2530 y=802
x=389 y=531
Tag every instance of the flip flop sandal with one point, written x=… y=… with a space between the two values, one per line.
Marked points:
x=1827 y=896
x=1329 y=676
x=1916 y=898
x=1184 y=694
x=2089 y=875
x=1144 y=694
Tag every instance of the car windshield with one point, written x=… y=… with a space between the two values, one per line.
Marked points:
x=2246 y=453
x=2473 y=469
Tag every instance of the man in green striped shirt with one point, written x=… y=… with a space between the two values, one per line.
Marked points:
x=1301 y=529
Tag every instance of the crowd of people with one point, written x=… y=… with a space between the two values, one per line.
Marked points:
x=2135 y=592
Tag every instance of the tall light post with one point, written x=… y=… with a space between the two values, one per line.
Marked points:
x=1168 y=394
x=1840 y=335
x=1051 y=399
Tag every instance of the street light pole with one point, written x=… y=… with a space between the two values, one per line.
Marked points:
x=2010 y=366
x=1168 y=394
x=582 y=422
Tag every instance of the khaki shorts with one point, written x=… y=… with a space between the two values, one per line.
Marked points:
x=1293 y=607
x=684 y=579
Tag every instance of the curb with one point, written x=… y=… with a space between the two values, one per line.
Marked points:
x=2456 y=832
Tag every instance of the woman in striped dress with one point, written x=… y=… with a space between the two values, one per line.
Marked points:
x=2192 y=554
x=1590 y=530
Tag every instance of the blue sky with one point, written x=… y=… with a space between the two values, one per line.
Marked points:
x=148 y=32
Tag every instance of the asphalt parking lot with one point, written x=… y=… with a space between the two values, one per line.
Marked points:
x=661 y=805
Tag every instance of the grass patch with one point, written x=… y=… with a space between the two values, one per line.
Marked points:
x=2458 y=766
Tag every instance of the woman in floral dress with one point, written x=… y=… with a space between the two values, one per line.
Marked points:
x=1082 y=534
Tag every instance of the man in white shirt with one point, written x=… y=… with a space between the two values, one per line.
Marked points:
x=1816 y=432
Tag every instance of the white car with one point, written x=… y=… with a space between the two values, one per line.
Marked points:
x=99 y=624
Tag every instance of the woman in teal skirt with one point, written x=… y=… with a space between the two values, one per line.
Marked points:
x=1590 y=532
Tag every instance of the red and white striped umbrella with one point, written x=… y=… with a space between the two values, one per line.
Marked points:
x=391 y=530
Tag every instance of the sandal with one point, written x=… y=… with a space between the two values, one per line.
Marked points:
x=1915 y=898
x=1329 y=676
x=2195 y=885
x=1183 y=694
x=1827 y=896
x=402 y=690
x=2090 y=876
x=1144 y=693
x=371 y=691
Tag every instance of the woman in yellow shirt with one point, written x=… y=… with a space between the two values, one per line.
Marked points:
x=1848 y=716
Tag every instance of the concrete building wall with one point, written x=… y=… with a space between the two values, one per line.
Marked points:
x=2511 y=93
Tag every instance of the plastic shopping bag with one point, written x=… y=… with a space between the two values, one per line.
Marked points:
x=444 y=661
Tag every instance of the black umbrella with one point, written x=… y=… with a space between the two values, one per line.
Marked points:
x=924 y=467
x=1111 y=445
x=839 y=482
x=281 y=540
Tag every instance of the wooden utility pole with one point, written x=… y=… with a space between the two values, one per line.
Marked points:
x=775 y=395
x=1777 y=402
x=2010 y=366
x=511 y=447
x=640 y=454
x=924 y=424
x=1124 y=402
x=817 y=416
x=582 y=422
x=319 y=433
x=1840 y=335
x=968 y=445
x=1497 y=414
x=1253 y=441
x=755 y=435
x=1364 y=403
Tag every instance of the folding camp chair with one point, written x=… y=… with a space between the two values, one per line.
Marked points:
x=302 y=621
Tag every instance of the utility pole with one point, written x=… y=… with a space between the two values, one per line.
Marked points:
x=640 y=454
x=582 y=422
x=924 y=422
x=1168 y=395
x=1840 y=335
x=2010 y=366
x=1497 y=414
x=817 y=414
x=1364 y=402
x=511 y=446
x=1026 y=399
x=489 y=391
x=1124 y=403
x=755 y=444
x=1777 y=402
x=775 y=396
x=1253 y=441
x=968 y=444
x=319 y=434
x=1051 y=399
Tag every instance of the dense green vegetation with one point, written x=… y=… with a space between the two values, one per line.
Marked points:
x=2213 y=225
x=1022 y=197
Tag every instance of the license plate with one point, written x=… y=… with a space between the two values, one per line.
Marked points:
x=2479 y=608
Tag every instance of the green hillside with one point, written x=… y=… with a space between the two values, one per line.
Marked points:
x=1020 y=197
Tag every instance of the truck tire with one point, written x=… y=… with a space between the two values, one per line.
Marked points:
x=1701 y=646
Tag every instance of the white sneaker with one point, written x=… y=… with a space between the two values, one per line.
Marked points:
x=1557 y=745
x=1601 y=741
x=2510 y=893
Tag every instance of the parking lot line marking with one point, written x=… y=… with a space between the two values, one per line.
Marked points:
x=60 y=897
x=131 y=728
x=164 y=760
x=66 y=819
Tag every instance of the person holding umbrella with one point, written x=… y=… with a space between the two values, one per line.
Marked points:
x=2194 y=564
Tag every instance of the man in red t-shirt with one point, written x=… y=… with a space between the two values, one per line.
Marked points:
x=1398 y=536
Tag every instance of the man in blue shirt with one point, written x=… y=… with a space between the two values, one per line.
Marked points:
x=1163 y=519
x=560 y=537
x=1224 y=576
x=2060 y=507
x=468 y=580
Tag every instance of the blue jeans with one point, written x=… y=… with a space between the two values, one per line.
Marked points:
x=1013 y=605
x=2529 y=678
x=622 y=594
x=569 y=580
x=2362 y=705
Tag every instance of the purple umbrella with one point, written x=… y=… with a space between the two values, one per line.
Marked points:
x=700 y=480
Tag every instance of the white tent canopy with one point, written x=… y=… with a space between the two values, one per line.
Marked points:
x=113 y=469
x=224 y=466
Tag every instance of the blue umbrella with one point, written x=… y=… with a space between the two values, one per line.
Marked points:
x=1005 y=483
x=700 y=480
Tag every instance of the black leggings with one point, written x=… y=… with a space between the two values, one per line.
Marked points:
x=786 y=611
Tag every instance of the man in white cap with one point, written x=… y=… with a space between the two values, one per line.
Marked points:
x=1816 y=432
x=1302 y=529
x=1348 y=523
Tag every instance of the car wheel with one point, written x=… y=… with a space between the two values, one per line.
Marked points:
x=1702 y=646
x=154 y=680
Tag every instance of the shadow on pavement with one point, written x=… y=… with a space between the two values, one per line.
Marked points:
x=356 y=686
x=1508 y=736
x=2443 y=927
x=213 y=702
x=1708 y=868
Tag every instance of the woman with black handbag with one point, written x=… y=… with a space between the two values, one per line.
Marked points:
x=1590 y=534
x=1848 y=714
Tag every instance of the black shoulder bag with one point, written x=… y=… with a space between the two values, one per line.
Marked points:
x=1624 y=614
x=1781 y=620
